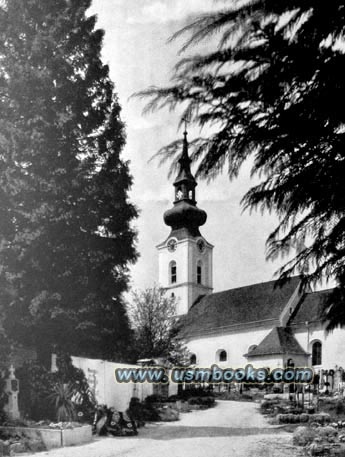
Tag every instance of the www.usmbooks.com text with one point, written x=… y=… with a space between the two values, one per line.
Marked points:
x=214 y=375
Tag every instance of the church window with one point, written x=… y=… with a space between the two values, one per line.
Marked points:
x=173 y=272
x=222 y=355
x=316 y=353
x=199 y=273
x=193 y=359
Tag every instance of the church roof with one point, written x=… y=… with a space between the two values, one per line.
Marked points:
x=280 y=340
x=256 y=303
x=310 y=308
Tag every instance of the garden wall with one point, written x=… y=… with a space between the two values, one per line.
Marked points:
x=101 y=377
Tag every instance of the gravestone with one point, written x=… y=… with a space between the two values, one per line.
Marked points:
x=12 y=391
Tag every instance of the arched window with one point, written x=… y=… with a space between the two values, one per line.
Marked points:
x=316 y=353
x=193 y=359
x=221 y=355
x=199 y=272
x=173 y=272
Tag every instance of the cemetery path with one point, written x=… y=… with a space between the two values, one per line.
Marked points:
x=235 y=429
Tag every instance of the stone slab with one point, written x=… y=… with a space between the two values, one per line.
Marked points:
x=54 y=438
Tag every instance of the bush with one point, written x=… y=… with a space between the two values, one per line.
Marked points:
x=203 y=401
x=193 y=392
x=142 y=412
x=61 y=397
x=155 y=399
x=303 y=436
x=38 y=386
x=3 y=400
x=339 y=408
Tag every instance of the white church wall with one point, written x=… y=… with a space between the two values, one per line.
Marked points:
x=333 y=345
x=279 y=361
x=269 y=361
x=235 y=344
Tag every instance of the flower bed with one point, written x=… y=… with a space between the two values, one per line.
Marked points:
x=290 y=418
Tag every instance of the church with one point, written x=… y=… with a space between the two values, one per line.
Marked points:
x=260 y=324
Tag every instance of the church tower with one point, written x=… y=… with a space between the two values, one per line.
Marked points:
x=185 y=258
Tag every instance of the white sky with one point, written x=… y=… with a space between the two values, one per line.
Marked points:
x=136 y=49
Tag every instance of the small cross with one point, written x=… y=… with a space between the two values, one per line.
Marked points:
x=186 y=121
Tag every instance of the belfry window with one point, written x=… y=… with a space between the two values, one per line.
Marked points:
x=316 y=353
x=199 y=273
x=173 y=272
x=193 y=359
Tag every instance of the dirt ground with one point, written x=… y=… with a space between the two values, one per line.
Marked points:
x=231 y=429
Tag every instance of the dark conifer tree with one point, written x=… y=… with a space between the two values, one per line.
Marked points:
x=65 y=220
x=274 y=89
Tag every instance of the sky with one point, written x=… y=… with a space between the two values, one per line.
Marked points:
x=136 y=49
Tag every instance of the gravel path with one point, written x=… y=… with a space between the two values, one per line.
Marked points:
x=231 y=429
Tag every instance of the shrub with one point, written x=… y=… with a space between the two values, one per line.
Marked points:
x=303 y=436
x=3 y=400
x=45 y=395
x=339 y=408
x=142 y=412
x=154 y=399
x=61 y=398
x=36 y=384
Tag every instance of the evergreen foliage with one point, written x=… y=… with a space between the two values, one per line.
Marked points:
x=65 y=220
x=63 y=395
x=274 y=89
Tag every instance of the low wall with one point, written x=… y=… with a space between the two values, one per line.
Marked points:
x=54 y=438
x=101 y=378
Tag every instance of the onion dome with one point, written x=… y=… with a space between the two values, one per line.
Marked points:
x=185 y=214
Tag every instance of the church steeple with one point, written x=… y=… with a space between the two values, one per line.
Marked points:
x=185 y=214
x=185 y=182
x=185 y=257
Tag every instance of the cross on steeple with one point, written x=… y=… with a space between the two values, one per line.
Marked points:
x=186 y=121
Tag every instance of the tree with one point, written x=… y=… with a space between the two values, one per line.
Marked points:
x=65 y=220
x=156 y=329
x=274 y=89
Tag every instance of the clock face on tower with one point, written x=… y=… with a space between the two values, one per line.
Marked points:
x=172 y=244
x=201 y=245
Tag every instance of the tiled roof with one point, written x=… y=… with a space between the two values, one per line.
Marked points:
x=310 y=308
x=243 y=305
x=280 y=340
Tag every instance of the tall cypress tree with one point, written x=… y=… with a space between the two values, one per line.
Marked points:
x=65 y=220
